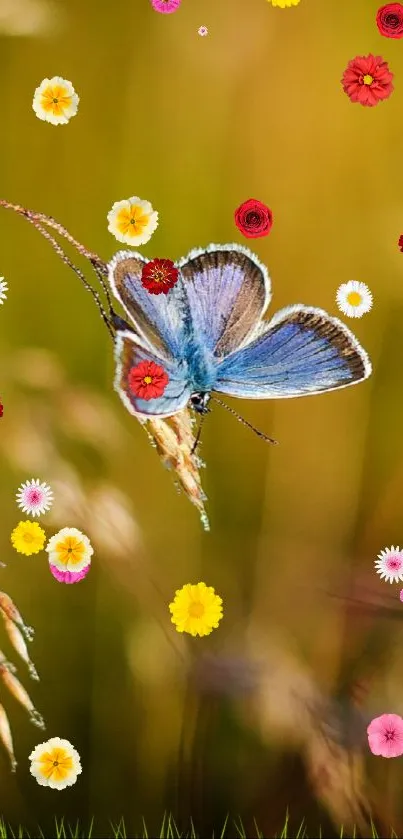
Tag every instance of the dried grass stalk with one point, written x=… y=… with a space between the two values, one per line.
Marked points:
x=6 y=738
x=10 y=611
x=16 y=628
x=20 y=646
x=174 y=440
x=20 y=694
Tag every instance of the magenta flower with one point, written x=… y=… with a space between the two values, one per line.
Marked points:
x=68 y=576
x=166 y=6
x=385 y=735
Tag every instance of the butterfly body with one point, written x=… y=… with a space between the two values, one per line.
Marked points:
x=208 y=334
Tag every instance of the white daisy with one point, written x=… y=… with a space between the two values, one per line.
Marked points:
x=34 y=498
x=55 y=101
x=132 y=221
x=354 y=299
x=390 y=564
x=3 y=290
x=202 y=31
x=55 y=764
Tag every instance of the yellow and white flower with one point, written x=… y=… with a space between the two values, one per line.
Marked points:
x=354 y=299
x=55 y=764
x=132 y=221
x=70 y=550
x=55 y=101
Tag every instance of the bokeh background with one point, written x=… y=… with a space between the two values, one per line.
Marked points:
x=270 y=711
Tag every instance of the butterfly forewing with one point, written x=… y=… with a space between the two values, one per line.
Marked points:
x=228 y=290
x=160 y=320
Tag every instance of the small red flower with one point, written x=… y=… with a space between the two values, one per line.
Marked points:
x=148 y=380
x=159 y=275
x=253 y=219
x=1 y=409
x=401 y=242
x=367 y=79
x=389 y=20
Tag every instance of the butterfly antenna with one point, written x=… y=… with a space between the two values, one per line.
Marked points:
x=101 y=270
x=244 y=421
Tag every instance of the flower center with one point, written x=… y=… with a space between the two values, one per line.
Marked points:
x=196 y=610
x=132 y=221
x=159 y=275
x=147 y=380
x=55 y=101
x=55 y=763
x=252 y=218
x=28 y=538
x=354 y=298
x=390 y=735
x=69 y=550
x=368 y=79
x=34 y=496
x=392 y=20
x=394 y=562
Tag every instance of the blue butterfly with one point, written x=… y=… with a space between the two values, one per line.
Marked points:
x=208 y=334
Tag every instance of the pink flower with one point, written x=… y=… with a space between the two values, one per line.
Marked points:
x=385 y=735
x=68 y=576
x=166 y=6
x=401 y=595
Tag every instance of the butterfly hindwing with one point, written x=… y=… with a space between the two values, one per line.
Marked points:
x=301 y=351
x=129 y=352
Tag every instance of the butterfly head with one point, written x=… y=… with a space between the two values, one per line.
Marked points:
x=199 y=403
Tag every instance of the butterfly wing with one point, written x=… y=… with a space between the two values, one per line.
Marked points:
x=300 y=351
x=228 y=290
x=159 y=320
x=128 y=353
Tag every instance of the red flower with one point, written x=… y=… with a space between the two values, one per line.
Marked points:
x=1 y=409
x=159 y=275
x=253 y=219
x=389 y=20
x=367 y=79
x=401 y=243
x=147 y=380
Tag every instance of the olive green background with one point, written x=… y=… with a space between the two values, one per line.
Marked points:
x=196 y=126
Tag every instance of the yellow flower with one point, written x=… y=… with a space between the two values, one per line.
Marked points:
x=70 y=550
x=55 y=764
x=196 y=609
x=284 y=4
x=55 y=101
x=28 y=538
x=132 y=221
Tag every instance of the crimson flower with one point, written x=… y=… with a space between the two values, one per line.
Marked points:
x=389 y=20
x=401 y=242
x=159 y=275
x=367 y=79
x=148 y=380
x=253 y=219
x=1 y=409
